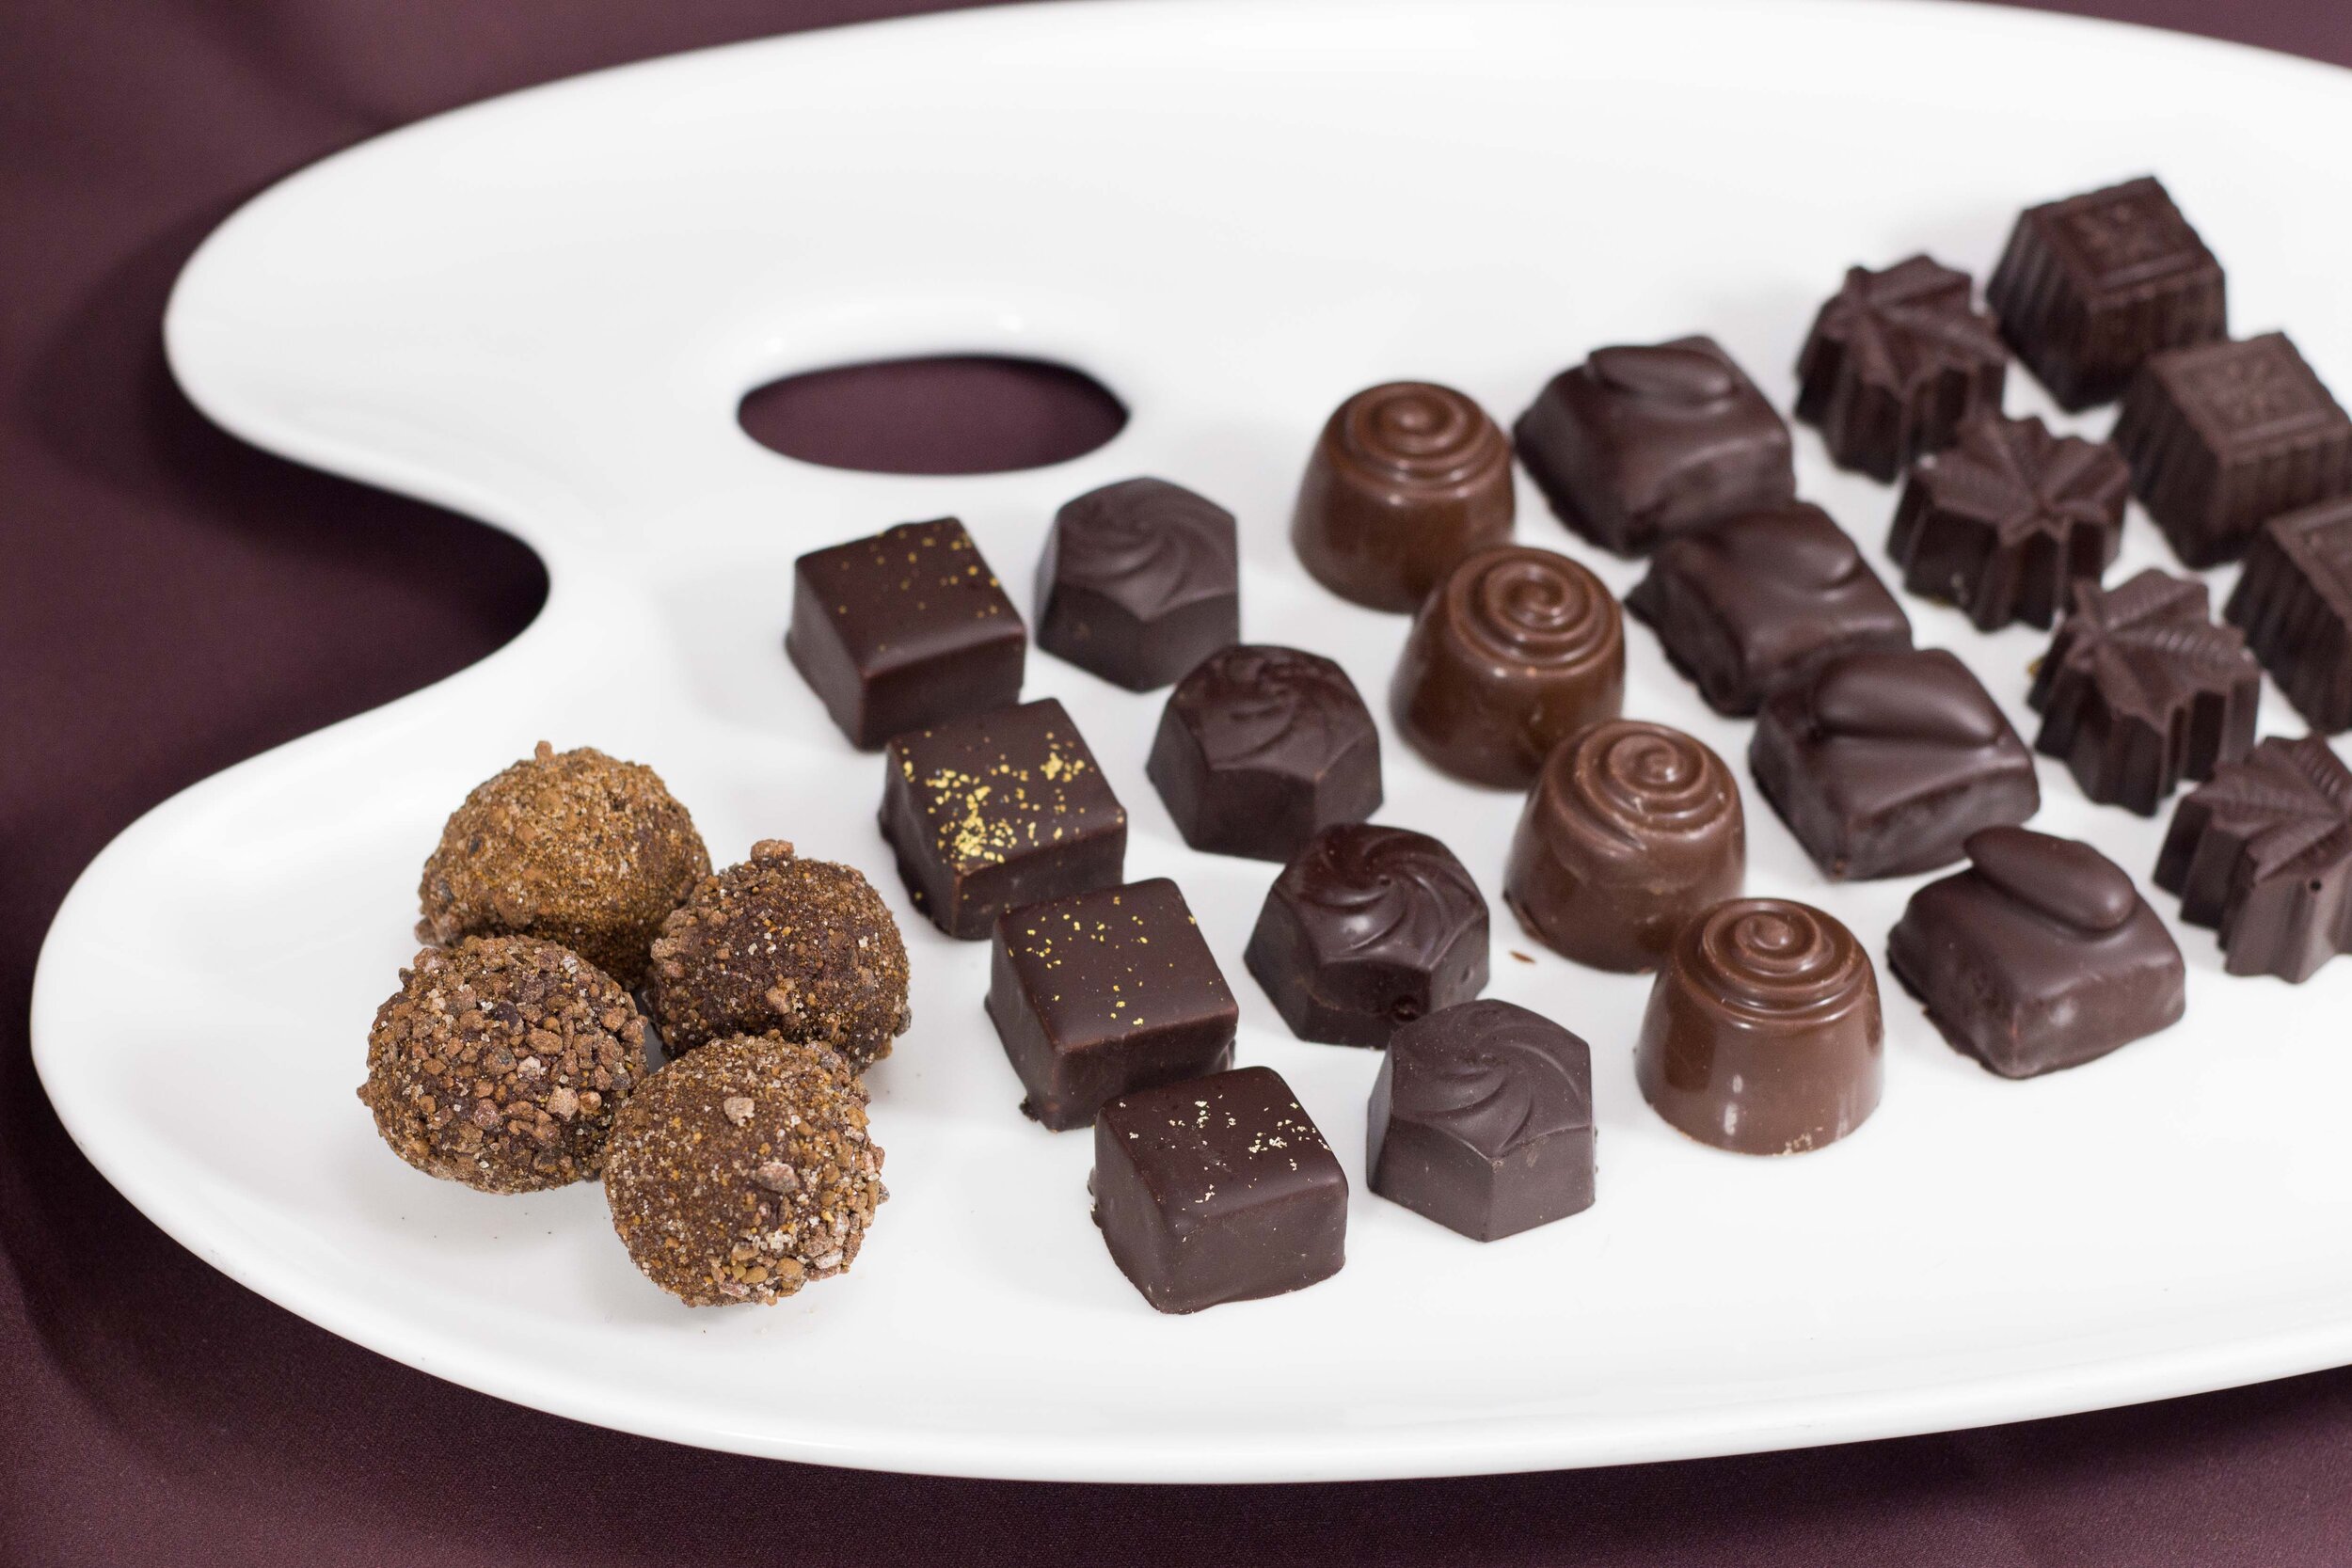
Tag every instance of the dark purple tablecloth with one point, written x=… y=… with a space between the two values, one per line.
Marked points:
x=171 y=602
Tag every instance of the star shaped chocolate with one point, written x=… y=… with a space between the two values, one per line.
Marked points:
x=2262 y=851
x=1897 y=359
x=2140 y=689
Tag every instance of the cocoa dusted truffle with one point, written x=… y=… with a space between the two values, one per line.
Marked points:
x=744 y=1170
x=803 y=950
x=499 y=1063
x=575 y=847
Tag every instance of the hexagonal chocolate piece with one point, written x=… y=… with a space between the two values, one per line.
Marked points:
x=1139 y=583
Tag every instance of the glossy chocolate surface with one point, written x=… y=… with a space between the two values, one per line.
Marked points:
x=2226 y=436
x=999 y=809
x=2091 y=286
x=1632 y=829
x=1369 y=928
x=1482 y=1120
x=2140 y=689
x=1750 y=604
x=1218 y=1189
x=2294 y=601
x=1763 y=1034
x=1638 y=444
x=1896 y=361
x=903 y=629
x=2009 y=517
x=1261 y=747
x=1099 y=994
x=1141 y=580
x=1884 y=763
x=2040 y=955
x=2263 y=852
x=1517 y=650
x=1407 y=479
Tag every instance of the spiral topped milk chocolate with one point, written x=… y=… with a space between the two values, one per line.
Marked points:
x=1764 y=1034
x=1518 y=649
x=1632 y=829
x=1407 y=479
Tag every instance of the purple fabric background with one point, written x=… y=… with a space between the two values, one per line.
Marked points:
x=171 y=602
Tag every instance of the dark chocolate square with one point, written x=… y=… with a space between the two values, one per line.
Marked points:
x=1141 y=580
x=997 y=809
x=2294 y=604
x=904 y=629
x=1103 y=994
x=1219 y=1189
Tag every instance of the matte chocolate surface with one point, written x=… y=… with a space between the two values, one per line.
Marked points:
x=2263 y=852
x=1632 y=829
x=903 y=629
x=1896 y=361
x=1482 y=1120
x=2294 y=602
x=1884 y=763
x=1099 y=994
x=999 y=809
x=1517 y=650
x=1763 y=1034
x=1637 y=444
x=1407 y=479
x=2040 y=955
x=2002 y=522
x=2091 y=286
x=1262 y=746
x=1218 y=1189
x=1754 y=602
x=1141 y=580
x=2226 y=436
x=2140 y=689
x=1368 y=929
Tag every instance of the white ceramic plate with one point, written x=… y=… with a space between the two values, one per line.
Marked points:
x=542 y=310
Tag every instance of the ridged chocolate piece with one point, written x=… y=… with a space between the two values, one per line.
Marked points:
x=1368 y=928
x=1262 y=746
x=1482 y=1120
x=2005 y=519
x=1141 y=580
x=1517 y=650
x=2040 y=955
x=1897 y=359
x=1637 y=444
x=1752 y=603
x=2224 y=436
x=2294 y=603
x=2263 y=852
x=2140 y=689
x=2091 y=286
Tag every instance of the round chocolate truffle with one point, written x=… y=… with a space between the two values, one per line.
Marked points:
x=500 y=1062
x=1517 y=650
x=1407 y=479
x=575 y=847
x=1763 y=1032
x=802 y=950
x=1632 y=830
x=743 y=1171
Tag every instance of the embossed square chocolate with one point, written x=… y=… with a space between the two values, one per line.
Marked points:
x=2090 y=287
x=1637 y=444
x=2224 y=436
x=904 y=629
x=999 y=809
x=1103 y=994
x=1141 y=580
x=2295 y=604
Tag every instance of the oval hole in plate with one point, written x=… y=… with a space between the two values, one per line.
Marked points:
x=947 y=413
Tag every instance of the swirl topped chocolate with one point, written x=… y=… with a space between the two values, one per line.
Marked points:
x=1632 y=830
x=1763 y=1034
x=1897 y=360
x=2263 y=852
x=1407 y=479
x=1141 y=580
x=1518 y=649
x=1369 y=928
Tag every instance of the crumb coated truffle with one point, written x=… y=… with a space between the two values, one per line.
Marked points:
x=802 y=950
x=743 y=1171
x=499 y=1063
x=575 y=847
